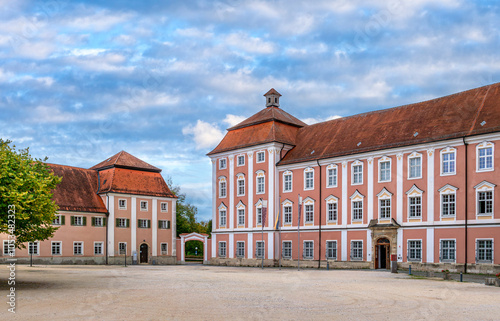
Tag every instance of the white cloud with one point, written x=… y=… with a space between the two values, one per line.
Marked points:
x=87 y=52
x=249 y=44
x=205 y=135
x=194 y=32
x=232 y=120
x=98 y=21
x=311 y=120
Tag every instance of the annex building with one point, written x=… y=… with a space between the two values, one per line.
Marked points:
x=121 y=206
x=417 y=183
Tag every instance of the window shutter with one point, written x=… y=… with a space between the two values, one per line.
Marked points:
x=103 y=221
x=84 y=221
x=139 y=223
x=159 y=224
x=63 y=220
x=93 y=221
x=117 y=222
x=72 y=220
x=149 y=223
x=168 y=224
x=476 y=251
x=128 y=222
x=440 y=251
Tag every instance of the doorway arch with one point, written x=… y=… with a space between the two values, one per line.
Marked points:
x=185 y=237
x=383 y=253
x=143 y=253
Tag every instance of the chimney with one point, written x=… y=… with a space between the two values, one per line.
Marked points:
x=272 y=98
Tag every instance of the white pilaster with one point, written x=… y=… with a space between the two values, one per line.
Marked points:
x=430 y=186
x=370 y=191
x=399 y=188
x=430 y=245
x=205 y=250
x=400 y=245
x=343 y=242
x=250 y=191
x=231 y=192
x=183 y=258
x=111 y=225
x=214 y=245
x=174 y=227
x=133 y=224
x=231 y=245
x=344 y=198
x=154 y=227
x=270 y=191
x=270 y=245
x=214 y=192
x=369 y=245
x=250 y=245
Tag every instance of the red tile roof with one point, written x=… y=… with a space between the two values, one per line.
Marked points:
x=468 y=113
x=272 y=91
x=270 y=114
x=125 y=160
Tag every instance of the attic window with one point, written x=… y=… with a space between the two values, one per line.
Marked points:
x=312 y=152
x=269 y=100
x=107 y=160
x=104 y=182
x=359 y=144
x=483 y=123
x=416 y=134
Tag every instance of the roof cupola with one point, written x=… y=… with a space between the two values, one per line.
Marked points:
x=272 y=98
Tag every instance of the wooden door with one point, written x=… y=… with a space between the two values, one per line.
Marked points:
x=143 y=257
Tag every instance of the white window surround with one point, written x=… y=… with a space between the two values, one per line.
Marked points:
x=240 y=160
x=415 y=155
x=332 y=175
x=260 y=157
x=447 y=190
x=222 y=218
x=163 y=206
x=286 y=252
x=258 y=213
x=479 y=257
x=446 y=258
x=287 y=216
x=240 y=249
x=222 y=187
x=414 y=191
x=222 y=249
x=240 y=189
x=384 y=195
x=56 y=245
x=223 y=163
x=443 y=152
x=287 y=181
x=240 y=214
x=331 y=251
x=260 y=182
x=122 y=248
x=308 y=179
x=122 y=204
x=163 y=248
x=357 y=197
x=101 y=252
x=357 y=177
x=308 y=252
x=36 y=246
x=80 y=245
x=384 y=159
x=409 y=257
x=307 y=202
x=356 y=251
x=260 y=249
x=485 y=186
x=332 y=200
x=144 y=205
x=485 y=145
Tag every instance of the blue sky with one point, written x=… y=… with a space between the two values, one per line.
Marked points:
x=82 y=80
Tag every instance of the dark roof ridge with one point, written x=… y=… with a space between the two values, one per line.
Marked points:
x=87 y=169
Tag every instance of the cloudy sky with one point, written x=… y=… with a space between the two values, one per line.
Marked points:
x=82 y=80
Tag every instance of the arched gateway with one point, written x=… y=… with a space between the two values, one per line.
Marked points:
x=185 y=237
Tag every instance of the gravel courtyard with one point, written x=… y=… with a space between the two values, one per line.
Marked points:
x=228 y=293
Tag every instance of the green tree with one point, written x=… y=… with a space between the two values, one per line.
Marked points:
x=26 y=186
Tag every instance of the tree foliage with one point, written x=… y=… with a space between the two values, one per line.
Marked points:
x=26 y=186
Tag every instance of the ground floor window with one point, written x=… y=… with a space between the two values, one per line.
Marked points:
x=259 y=250
x=484 y=251
x=357 y=250
x=414 y=250
x=308 y=249
x=122 y=248
x=240 y=249
x=331 y=250
x=287 y=250
x=222 y=249
x=34 y=248
x=448 y=250
x=56 y=248
x=78 y=248
x=98 y=248
x=164 y=248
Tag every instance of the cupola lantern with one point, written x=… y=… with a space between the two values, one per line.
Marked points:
x=272 y=98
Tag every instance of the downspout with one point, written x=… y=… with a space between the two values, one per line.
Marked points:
x=466 y=206
x=107 y=226
x=320 y=214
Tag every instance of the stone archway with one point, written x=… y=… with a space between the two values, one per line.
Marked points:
x=185 y=237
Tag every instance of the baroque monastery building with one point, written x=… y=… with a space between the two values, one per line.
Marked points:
x=121 y=206
x=417 y=184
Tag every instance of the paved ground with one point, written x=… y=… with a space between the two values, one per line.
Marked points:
x=228 y=293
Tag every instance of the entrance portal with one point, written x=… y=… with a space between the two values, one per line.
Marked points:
x=143 y=257
x=382 y=254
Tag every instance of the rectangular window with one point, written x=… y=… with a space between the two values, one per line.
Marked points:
x=385 y=171
x=448 y=163
x=484 y=251
x=164 y=207
x=416 y=207
x=357 y=211
x=287 y=214
x=241 y=217
x=332 y=212
x=447 y=250
x=259 y=249
x=241 y=160
x=332 y=177
x=222 y=189
x=122 y=204
x=164 y=248
x=164 y=224
x=485 y=158
x=415 y=167
x=122 y=222
x=78 y=220
x=222 y=218
x=309 y=180
x=56 y=248
x=448 y=204
x=144 y=205
x=57 y=220
x=331 y=250
x=485 y=203
x=33 y=248
x=308 y=250
x=261 y=157
x=6 y=247
x=414 y=250
x=222 y=163
x=287 y=182
x=222 y=249
x=259 y=215
x=98 y=248
x=98 y=221
x=240 y=249
x=260 y=185
x=287 y=250
x=142 y=223
x=309 y=213
x=78 y=248
x=356 y=250
x=385 y=208
x=122 y=248
x=241 y=187
x=357 y=174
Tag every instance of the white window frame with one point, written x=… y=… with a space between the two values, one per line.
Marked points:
x=223 y=163
x=308 y=179
x=257 y=157
x=357 y=197
x=102 y=248
x=333 y=249
x=122 y=251
x=289 y=257
x=441 y=251
x=359 y=180
x=485 y=186
x=357 y=258
x=415 y=155
x=144 y=209
x=36 y=245
x=287 y=204
x=122 y=220
x=222 y=187
x=240 y=208
x=6 y=248
x=262 y=247
x=80 y=218
x=310 y=250
x=82 y=248
x=492 y=250
x=163 y=252
x=120 y=207
x=384 y=195
x=308 y=204
x=332 y=176
x=447 y=190
x=164 y=204
x=448 y=151
x=238 y=158
x=142 y=223
x=334 y=201
x=383 y=160
x=57 y=221
x=240 y=251
x=239 y=179
x=59 y=247
x=101 y=219
x=412 y=193
x=163 y=224
x=260 y=174
x=222 y=208
x=285 y=175
x=485 y=145
x=408 y=252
